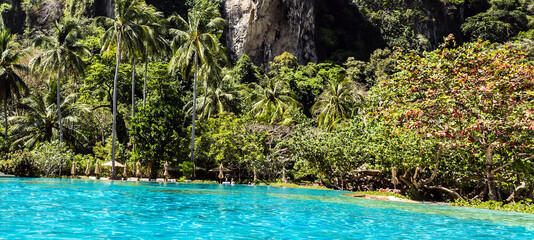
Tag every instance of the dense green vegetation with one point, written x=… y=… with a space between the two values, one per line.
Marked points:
x=521 y=206
x=146 y=90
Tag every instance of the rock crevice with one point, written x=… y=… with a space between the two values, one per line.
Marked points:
x=264 y=29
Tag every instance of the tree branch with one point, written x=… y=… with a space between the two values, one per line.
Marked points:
x=414 y=178
x=474 y=177
x=528 y=158
x=404 y=178
x=446 y=190
x=101 y=106
x=481 y=195
x=501 y=167
x=434 y=174
x=517 y=189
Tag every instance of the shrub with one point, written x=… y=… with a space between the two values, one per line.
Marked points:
x=524 y=206
x=81 y=164
x=19 y=163
x=186 y=168
x=51 y=158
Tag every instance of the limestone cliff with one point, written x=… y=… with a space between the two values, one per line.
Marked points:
x=264 y=29
x=104 y=8
x=442 y=19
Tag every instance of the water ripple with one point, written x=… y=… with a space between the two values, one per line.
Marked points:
x=85 y=209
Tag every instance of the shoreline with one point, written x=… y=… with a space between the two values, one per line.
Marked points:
x=380 y=197
x=363 y=195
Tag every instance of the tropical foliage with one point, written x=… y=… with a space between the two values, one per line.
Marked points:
x=438 y=120
x=62 y=56
x=216 y=100
x=272 y=101
x=337 y=103
x=126 y=33
x=11 y=83
x=51 y=158
x=40 y=122
x=197 y=50
x=18 y=163
x=160 y=131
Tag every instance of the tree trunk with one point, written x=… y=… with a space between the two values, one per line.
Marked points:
x=133 y=87
x=149 y=170
x=204 y=102
x=255 y=174
x=59 y=106
x=144 y=84
x=481 y=195
x=284 y=179
x=342 y=182
x=513 y=195
x=133 y=98
x=113 y=172
x=449 y=192
x=194 y=116
x=490 y=175
x=5 y=112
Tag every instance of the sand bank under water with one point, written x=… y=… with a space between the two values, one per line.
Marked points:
x=378 y=197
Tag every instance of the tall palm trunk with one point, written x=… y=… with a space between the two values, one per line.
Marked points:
x=5 y=111
x=133 y=87
x=59 y=106
x=144 y=84
x=204 y=102
x=133 y=97
x=194 y=116
x=113 y=173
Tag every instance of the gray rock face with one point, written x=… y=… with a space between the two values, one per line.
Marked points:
x=105 y=8
x=264 y=29
x=444 y=18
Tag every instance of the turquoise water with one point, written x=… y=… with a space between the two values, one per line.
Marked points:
x=74 y=209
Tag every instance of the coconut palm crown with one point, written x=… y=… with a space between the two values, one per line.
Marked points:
x=62 y=56
x=39 y=123
x=336 y=103
x=196 y=45
x=126 y=33
x=271 y=101
x=11 y=84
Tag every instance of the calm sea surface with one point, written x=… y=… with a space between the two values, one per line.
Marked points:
x=32 y=208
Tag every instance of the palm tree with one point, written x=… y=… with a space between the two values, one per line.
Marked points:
x=156 y=44
x=336 y=103
x=210 y=74
x=11 y=84
x=271 y=103
x=63 y=55
x=149 y=21
x=196 y=45
x=217 y=99
x=127 y=33
x=40 y=123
